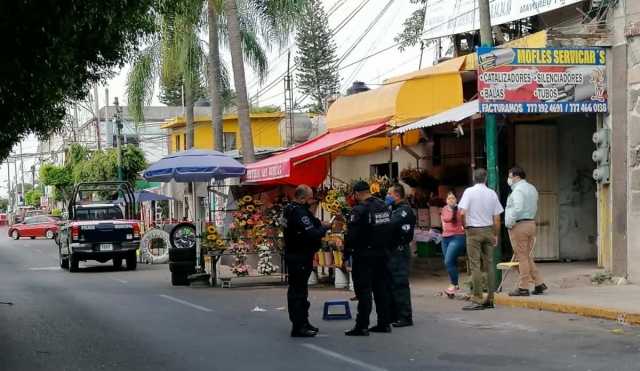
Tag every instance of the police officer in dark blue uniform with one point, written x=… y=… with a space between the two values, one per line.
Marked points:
x=303 y=233
x=403 y=223
x=368 y=239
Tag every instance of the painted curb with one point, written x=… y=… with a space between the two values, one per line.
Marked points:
x=580 y=310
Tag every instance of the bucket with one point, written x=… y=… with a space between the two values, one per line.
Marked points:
x=427 y=249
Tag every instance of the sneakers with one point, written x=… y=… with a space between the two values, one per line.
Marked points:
x=452 y=290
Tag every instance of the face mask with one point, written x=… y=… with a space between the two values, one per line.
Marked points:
x=509 y=182
x=389 y=200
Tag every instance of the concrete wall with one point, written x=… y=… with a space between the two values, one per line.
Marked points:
x=577 y=206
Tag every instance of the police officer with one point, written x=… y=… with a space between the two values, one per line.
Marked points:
x=403 y=222
x=367 y=240
x=303 y=233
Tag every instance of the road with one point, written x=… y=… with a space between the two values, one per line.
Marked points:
x=106 y=319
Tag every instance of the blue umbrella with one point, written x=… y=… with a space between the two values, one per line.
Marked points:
x=144 y=196
x=194 y=165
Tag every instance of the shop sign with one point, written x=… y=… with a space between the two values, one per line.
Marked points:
x=452 y=17
x=542 y=80
x=268 y=172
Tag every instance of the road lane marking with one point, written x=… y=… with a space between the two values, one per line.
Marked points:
x=38 y=250
x=342 y=357
x=186 y=303
x=46 y=269
x=118 y=279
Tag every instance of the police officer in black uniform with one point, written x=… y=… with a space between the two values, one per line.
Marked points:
x=368 y=239
x=403 y=223
x=303 y=233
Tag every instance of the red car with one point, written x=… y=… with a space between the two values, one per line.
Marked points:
x=38 y=226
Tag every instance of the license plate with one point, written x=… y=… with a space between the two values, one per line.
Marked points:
x=106 y=247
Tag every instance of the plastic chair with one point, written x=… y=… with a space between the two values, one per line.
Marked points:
x=507 y=267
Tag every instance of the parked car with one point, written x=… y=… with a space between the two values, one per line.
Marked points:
x=37 y=226
x=31 y=213
x=20 y=213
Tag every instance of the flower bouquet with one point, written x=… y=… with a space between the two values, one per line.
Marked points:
x=337 y=203
x=249 y=212
x=419 y=178
x=332 y=242
x=379 y=185
x=211 y=239
x=265 y=266
x=273 y=214
x=241 y=252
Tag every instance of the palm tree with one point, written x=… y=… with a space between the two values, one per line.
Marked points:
x=278 y=19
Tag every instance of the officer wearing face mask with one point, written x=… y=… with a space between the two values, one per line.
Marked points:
x=403 y=223
x=303 y=233
x=367 y=240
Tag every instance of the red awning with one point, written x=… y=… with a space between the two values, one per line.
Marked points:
x=299 y=165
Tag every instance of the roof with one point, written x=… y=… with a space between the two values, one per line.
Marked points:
x=455 y=114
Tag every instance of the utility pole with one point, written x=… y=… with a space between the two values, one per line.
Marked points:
x=97 y=116
x=118 y=116
x=9 y=207
x=15 y=187
x=486 y=38
x=22 y=173
x=33 y=176
x=107 y=119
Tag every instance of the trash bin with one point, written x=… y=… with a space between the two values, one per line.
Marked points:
x=427 y=249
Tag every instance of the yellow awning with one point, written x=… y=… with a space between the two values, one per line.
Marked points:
x=452 y=65
x=397 y=104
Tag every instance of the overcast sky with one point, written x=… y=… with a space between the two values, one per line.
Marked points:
x=372 y=70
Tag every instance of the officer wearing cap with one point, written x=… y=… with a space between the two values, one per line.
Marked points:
x=367 y=240
x=303 y=233
x=403 y=223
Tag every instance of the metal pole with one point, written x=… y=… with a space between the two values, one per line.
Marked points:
x=118 y=128
x=15 y=188
x=486 y=38
x=9 y=207
x=97 y=117
x=421 y=53
x=22 y=171
x=107 y=119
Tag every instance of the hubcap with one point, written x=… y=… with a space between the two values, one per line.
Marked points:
x=185 y=237
x=15 y=234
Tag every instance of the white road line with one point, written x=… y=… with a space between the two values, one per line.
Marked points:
x=118 y=279
x=186 y=303
x=38 y=250
x=342 y=357
x=45 y=269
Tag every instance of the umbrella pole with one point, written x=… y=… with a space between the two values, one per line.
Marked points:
x=198 y=227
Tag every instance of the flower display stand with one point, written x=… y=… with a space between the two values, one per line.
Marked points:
x=341 y=279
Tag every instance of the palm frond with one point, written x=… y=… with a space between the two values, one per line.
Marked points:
x=141 y=80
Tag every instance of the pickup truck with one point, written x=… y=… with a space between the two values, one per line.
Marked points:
x=101 y=230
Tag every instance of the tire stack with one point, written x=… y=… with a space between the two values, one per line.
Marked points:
x=182 y=264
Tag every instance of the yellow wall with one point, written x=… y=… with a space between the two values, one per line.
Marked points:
x=264 y=127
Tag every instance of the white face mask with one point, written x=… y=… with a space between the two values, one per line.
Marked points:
x=509 y=182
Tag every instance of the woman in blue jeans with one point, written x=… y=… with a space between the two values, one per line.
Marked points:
x=453 y=240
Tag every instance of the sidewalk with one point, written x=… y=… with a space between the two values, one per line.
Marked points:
x=577 y=288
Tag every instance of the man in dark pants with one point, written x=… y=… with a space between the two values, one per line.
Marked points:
x=368 y=238
x=403 y=222
x=302 y=238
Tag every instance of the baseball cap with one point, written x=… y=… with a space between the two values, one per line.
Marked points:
x=361 y=186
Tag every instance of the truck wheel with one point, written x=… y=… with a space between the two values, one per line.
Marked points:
x=74 y=264
x=132 y=262
x=117 y=263
x=187 y=267
x=179 y=279
x=64 y=263
x=183 y=235
x=182 y=255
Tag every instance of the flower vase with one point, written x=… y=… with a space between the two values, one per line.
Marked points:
x=328 y=258
x=337 y=258
x=316 y=259
x=321 y=261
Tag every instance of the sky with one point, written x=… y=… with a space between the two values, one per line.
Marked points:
x=372 y=71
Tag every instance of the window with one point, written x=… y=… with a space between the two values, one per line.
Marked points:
x=105 y=213
x=383 y=170
x=229 y=141
x=177 y=138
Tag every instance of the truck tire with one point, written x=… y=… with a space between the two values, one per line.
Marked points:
x=74 y=264
x=64 y=263
x=188 y=267
x=182 y=255
x=183 y=235
x=180 y=279
x=145 y=246
x=117 y=263
x=132 y=262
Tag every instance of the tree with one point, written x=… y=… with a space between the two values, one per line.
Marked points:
x=64 y=48
x=4 y=205
x=33 y=197
x=171 y=92
x=278 y=19
x=62 y=178
x=316 y=60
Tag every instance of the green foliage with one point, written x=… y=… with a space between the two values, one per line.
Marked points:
x=171 y=92
x=4 y=205
x=316 y=59
x=56 y=212
x=33 y=197
x=413 y=27
x=58 y=54
x=265 y=109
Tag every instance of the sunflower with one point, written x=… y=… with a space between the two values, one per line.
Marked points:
x=257 y=202
x=247 y=198
x=329 y=198
x=375 y=188
x=211 y=237
x=335 y=204
x=219 y=242
x=250 y=208
x=212 y=229
x=240 y=203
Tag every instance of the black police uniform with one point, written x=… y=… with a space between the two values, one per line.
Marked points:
x=368 y=238
x=403 y=223
x=303 y=233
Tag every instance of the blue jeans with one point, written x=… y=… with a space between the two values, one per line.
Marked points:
x=452 y=247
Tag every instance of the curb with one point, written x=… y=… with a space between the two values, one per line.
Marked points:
x=580 y=310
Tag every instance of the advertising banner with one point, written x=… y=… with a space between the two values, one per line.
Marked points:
x=542 y=80
x=452 y=17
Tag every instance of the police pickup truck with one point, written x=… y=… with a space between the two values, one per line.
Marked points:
x=99 y=230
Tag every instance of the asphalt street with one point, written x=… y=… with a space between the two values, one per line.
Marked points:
x=106 y=319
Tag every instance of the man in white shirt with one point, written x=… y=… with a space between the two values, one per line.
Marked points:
x=480 y=211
